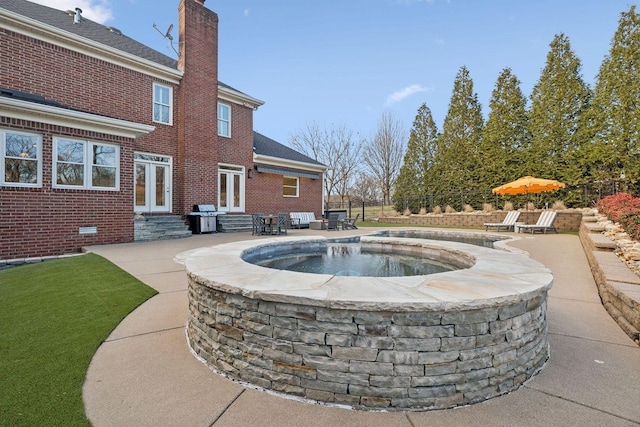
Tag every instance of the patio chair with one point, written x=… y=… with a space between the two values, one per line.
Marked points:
x=333 y=222
x=258 y=226
x=350 y=223
x=508 y=223
x=544 y=223
x=283 y=223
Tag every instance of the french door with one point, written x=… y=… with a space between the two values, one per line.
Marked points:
x=152 y=183
x=230 y=188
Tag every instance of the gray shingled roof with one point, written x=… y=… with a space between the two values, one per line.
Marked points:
x=88 y=29
x=93 y=31
x=268 y=147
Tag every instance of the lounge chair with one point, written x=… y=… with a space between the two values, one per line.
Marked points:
x=544 y=223
x=508 y=223
x=349 y=223
x=333 y=222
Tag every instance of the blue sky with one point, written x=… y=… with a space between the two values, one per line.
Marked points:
x=345 y=62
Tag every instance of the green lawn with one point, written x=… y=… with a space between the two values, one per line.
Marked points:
x=53 y=317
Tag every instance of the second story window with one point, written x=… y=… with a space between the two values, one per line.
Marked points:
x=162 y=102
x=224 y=120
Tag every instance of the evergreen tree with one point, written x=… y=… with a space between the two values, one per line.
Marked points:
x=412 y=185
x=558 y=101
x=614 y=119
x=458 y=161
x=505 y=134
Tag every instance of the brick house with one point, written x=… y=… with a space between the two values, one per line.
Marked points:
x=97 y=129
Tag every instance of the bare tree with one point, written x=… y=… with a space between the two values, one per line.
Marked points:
x=365 y=188
x=383 y=154
x=336 y=148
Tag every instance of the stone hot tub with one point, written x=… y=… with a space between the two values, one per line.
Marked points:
x=406 y=343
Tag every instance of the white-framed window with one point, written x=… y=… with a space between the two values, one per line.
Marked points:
x=21 y=157
x=162 y=104
x=290 y=186
x=224 y=120
x=85 y=164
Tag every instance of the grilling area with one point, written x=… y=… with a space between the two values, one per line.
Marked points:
x=203 y=219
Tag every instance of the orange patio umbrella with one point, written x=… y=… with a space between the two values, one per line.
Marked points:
x=528 y=185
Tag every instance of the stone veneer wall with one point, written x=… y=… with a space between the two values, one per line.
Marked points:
x=370 y=359
x=565 y=221
x=618 y=286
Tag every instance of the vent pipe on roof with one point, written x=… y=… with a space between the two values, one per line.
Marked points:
x=78 y=16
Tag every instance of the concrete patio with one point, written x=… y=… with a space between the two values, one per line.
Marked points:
x=145 y=375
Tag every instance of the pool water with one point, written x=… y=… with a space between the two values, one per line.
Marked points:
x=351 y=260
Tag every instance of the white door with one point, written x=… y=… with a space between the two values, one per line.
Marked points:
x=152 y=186
x=230 y=188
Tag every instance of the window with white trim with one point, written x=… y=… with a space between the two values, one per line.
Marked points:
x=224 y=120
x=162 y=104
x=85 y=164
x=21 y=157
x=290 y=186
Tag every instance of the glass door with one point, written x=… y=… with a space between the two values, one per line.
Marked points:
x=230 y=188
x=152 y=183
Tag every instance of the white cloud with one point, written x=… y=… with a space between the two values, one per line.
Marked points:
x=96 y=10
x=246 y=12
x=440 y=41
x=404 y=93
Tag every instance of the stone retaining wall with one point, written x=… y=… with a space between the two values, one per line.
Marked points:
x=618 y=286
x=566 y=220
x=370 y=359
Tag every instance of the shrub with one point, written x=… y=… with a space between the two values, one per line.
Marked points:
x=437 y=210
x=531 y=206
x=508 y=206
x=558 y=205
x=449 y=209
x=624 y=209
x=487 y=207
x=407 y=212
x=423 y=211
x=468 y=208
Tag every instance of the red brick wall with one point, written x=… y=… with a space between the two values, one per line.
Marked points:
x=197 y=106
x=238 y=149
x=264 y=194
x=44 y=221
x=76 y=80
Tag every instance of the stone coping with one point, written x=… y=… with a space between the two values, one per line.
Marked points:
x=493 y=277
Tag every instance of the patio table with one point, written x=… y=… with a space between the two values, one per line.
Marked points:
x=268 y=222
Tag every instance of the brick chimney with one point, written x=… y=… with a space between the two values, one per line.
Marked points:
x=196 y=166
